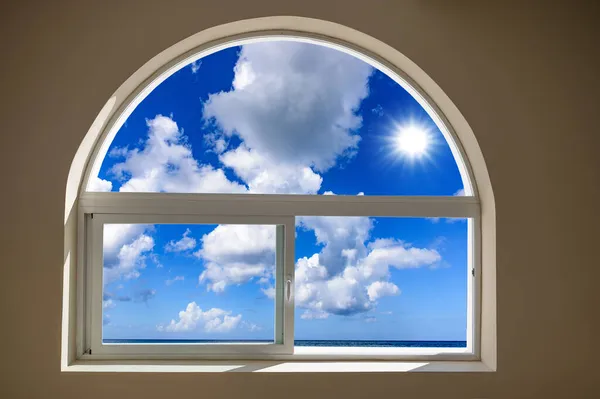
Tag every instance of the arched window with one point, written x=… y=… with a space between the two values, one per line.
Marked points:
x=278 y=196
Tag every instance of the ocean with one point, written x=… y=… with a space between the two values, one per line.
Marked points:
x=301 y=342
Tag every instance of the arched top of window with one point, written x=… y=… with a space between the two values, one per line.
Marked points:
x=280 y=116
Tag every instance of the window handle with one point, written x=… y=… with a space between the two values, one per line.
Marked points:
x=288 y=289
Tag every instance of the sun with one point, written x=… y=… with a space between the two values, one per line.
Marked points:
x=412 y=140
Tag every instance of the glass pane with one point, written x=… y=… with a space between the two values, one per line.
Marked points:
x=188 y=283
x=391 y=282
x=279 y=117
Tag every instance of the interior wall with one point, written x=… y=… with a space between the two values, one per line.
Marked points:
x=524 y=76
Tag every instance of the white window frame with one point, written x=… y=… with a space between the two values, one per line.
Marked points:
x=160 y=208
x=482 y=354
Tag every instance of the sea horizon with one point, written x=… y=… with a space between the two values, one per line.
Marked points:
x=303 y=342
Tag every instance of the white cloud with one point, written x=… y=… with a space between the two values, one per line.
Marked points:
x=314 y=315
x=217 y=142
x=252 y=327
x=117 y=235
x=386 y=253
x=348 y=276
x=108 y=304
x=263 y=176
x=193 y=318
x=269 y=292
x=156 y=261
x=195 y=66
x=459 y=193
x=98 y=184
x=343 y=238
x=380 y=289
x=378 y=110
x=118 y=152
x=186 y=243
x=175 y=279
x=294 y=103
x=166 y=164
x=322 y=295
x=235 y=254
x=130 y=258
x=244 y=75
x=120 y=243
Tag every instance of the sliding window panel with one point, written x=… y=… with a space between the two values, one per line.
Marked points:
x=384 y=284
x=191 y=285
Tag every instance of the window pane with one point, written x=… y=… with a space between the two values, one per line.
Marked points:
x=364 y=281
x=279 y=117
x=199 y=282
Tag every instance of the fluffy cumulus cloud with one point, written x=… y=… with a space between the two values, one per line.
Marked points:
x=193 y=318
x=236 y=254
x=343 y=239
x=98 y=184
x=294 y=106
x=264 y=176
x=186 y=243
x=117 y=235
x=165 y=164
x=350 y=275
x=126 y=248
x=129 y=259
x=380 y=289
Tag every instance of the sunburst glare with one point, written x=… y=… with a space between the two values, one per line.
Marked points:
x=412 y=140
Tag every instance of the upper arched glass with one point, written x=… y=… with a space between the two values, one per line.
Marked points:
x=283 y=116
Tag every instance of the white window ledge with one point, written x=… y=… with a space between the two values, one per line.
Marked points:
x=276 y=367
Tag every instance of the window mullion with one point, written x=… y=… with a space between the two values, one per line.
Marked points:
x=279 y=205
x=289 y=283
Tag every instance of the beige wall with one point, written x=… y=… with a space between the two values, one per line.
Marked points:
x=526 y=79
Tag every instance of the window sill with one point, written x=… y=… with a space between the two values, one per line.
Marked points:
x=275 y=366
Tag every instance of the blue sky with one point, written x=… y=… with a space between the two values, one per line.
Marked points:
x=284 y=117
